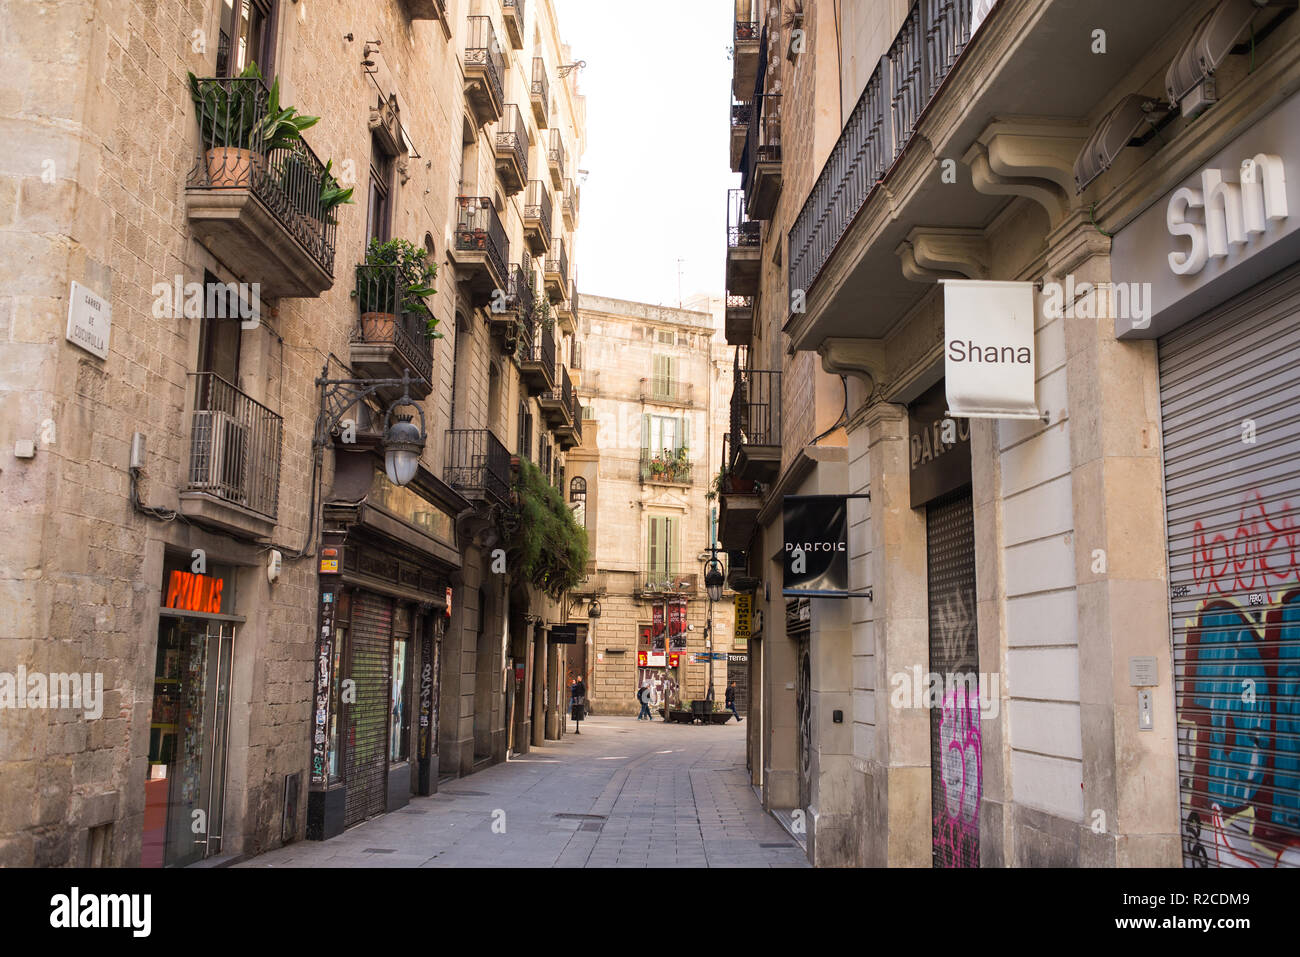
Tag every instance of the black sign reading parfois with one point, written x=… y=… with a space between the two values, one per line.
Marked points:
x=816 y=548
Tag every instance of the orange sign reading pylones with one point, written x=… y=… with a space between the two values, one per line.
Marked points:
x=190 y=592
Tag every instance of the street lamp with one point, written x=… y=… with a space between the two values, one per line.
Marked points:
x=403 y=441
x=713 y=580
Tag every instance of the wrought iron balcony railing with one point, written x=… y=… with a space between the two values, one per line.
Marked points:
x=537 y=204
x=746 y=21
x=741 y=230
x=931 y=40
x=234 y=446
x=479 y=229
x=763 y=141
x=512 y=137
x=555 y=155
x=519 y=291
x=570 y=200
x=669 y=577
x=478 y=464
x=540 y=89
x=391 y=315
x=538 y=345
x=755 y=408
x=740 y=112
x=483 y=52
x=238 y=151
x=563 y=391
x=558 y=262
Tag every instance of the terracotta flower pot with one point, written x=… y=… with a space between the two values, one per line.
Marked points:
x=232 y=168
x=378 y=326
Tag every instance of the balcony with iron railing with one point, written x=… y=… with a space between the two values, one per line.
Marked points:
x=666 y=390
x=537 y=217
x=739 y=321
x=555 y=158
x=389 y=337
x=877 y=131
x=668 y=577
x=537 y=357
x=480 y=249
x=556 y=276
x=745 y=51
x=511 y=147
x=756 y=423
x=484 y=71
x=740 y=112
x=516 y=306
x=233 y=475
x=739 y=501
x=566 y=314
x=570 y=205
x=671 y=466
x=513 y=11
x=557 y=404
x=540 y=93
x=760 y=175
x=568 y=429
x=254 y=198
x=478 y=465
x=743 y=237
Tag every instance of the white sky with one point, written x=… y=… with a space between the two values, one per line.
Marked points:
x=658 y=89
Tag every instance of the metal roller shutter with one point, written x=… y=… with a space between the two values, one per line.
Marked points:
x=955 y=725
x=367 y=742
x=1230 y=403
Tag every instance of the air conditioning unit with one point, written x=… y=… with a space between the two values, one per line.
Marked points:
x=219 y=455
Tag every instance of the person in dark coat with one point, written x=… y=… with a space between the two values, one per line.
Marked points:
x=578 y=703
x=731 y=701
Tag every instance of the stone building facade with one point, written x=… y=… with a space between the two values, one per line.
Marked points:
x=1073 y=563
x=189 y=528
x=656 y=381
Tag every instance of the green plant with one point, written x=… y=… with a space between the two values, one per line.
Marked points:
x=228 y=114
x=543 y=539
x=333 y=195
x=393 y=266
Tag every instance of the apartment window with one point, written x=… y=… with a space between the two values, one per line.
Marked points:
x=661 y=546
x=666 y=337
x=663 y=433
x=578 y=499
x=247 y=35
x=663 y=381
x=547 y=462
x=525 y=432
x=379 y=210
x=219 y=332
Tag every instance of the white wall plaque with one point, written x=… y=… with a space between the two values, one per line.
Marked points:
x=90 y=320
x=989 y=349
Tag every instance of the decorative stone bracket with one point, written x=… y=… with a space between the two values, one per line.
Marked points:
x=864 y=359
x=931 y=253
x=1031 y=157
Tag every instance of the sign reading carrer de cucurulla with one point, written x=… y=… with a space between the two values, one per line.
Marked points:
x=989 y=349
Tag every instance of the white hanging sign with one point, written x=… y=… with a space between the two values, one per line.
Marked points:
x=989 y=349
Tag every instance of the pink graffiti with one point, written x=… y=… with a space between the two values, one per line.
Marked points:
x=956 y=822
x=1263 y=551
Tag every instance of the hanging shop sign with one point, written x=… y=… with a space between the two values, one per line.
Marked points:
x=744 y=613
x=568 y=634
x=1219 y=231
x=989 y=349
x=938 y=447
x=816 y=547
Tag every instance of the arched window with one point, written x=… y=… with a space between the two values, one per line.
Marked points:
x=578 y=499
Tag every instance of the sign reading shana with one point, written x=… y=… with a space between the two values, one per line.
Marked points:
x=989 y=349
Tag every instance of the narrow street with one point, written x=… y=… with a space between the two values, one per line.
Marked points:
x=623 y=793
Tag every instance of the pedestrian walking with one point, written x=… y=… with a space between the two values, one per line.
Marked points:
x=644 y=697
x=731 y=701
x=577 y=703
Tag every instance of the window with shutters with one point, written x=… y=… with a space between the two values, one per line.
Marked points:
x=525 y=449
x=663 y=378
x=661 y=557
x=665 y=448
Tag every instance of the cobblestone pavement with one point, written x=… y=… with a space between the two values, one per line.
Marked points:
x=623 y=793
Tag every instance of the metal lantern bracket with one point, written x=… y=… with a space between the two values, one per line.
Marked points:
x=339 y=395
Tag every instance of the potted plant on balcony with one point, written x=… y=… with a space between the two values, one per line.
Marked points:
x=393 y=282
x=682 y=462
x=237 y=135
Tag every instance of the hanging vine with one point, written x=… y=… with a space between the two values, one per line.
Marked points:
x=542 y=538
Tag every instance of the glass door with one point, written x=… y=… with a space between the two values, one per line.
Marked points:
x=186 y=788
